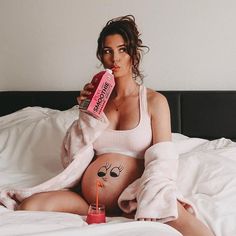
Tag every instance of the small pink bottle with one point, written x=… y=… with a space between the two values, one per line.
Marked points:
x=103 y=85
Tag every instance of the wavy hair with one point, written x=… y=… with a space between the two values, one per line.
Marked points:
x=127 y=28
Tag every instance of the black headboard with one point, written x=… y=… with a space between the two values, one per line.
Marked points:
x=204 y=114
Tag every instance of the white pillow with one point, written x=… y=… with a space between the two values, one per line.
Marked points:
x=30 y=143
x=178 y=137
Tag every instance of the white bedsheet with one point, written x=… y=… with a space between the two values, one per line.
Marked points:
x=30 y=142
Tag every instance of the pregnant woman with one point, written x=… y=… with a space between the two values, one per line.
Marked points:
x=139 y=125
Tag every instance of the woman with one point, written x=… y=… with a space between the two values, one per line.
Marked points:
x=138 y=118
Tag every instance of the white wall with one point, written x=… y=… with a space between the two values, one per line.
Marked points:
x=51 y=44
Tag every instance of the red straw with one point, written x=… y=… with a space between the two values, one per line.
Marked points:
x=98 y=184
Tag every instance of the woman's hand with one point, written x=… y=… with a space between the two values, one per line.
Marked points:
x=147 y=219
x=87 y=90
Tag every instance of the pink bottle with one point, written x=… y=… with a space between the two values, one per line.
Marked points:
x=103 y=85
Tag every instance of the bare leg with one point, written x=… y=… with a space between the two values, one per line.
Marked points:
x=61 y=201
x=189 y=225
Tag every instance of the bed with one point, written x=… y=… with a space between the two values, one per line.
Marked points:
x=33 y=124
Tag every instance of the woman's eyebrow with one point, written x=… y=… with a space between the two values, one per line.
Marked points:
x=122 y=45
x=119 y=46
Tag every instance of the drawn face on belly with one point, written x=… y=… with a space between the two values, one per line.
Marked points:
x=115 y=172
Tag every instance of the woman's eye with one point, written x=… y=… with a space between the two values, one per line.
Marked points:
x=115 y=172
x=106 y=51
x=102 y=171
x=123 y=50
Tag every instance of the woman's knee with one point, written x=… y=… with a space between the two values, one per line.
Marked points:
x=185 y=218
x=188 y=224
x=61 y=201
x=36 y=202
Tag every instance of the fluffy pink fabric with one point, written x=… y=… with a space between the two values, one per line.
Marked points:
x=154 y=195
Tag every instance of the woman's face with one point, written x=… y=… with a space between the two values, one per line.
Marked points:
x=115 y=56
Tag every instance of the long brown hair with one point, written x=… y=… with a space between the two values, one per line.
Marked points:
x=127 y=28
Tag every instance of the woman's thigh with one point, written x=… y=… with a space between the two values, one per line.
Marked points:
x=61 y=201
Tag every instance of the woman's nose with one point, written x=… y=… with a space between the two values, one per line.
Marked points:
x=116 y=57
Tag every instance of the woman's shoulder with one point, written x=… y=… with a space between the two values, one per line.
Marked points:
x=156 y=101
x=155 y=97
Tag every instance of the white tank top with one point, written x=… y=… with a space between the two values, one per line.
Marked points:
x=132 y=142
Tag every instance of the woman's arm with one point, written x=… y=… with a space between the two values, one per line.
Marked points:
x=156 y=195
x=160 y=117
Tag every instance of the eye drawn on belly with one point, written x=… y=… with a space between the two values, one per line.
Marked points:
x=114 y=172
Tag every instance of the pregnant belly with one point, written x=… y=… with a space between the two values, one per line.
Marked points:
x=115 y=172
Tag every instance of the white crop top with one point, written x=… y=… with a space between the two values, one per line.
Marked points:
x=132 y=142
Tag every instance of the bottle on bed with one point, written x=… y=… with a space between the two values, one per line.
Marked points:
x=103 y=85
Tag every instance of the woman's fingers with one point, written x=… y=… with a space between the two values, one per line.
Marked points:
x=147 y=219
x=85 y=92
x=88 y=86
x=79 y=99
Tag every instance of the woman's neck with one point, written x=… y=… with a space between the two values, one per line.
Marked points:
x=125 y=87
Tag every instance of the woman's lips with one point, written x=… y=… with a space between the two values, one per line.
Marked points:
x=115 y=68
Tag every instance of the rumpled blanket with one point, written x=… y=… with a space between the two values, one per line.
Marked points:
x=154 y=195
x=77 y=153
